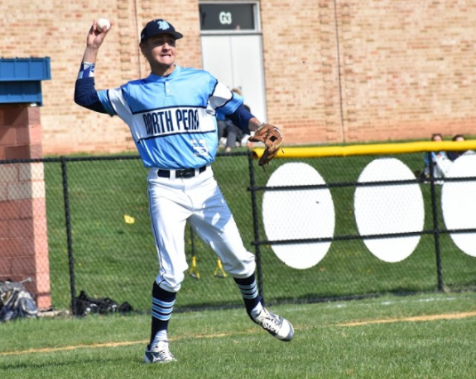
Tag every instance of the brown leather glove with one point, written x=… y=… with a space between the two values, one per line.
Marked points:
x=272 y=139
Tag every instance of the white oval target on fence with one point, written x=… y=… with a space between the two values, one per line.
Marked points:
x=459 y=205
x=389 y=209
x=298 y=214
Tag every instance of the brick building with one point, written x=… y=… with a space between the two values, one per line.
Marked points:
x=331 y=71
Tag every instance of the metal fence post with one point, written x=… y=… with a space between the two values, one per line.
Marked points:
x=68 y=233
x=436 y=230
x=254 y=209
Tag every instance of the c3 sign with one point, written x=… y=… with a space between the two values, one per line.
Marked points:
x=225 y=18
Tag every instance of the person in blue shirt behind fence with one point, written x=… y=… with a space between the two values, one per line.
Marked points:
x=441 y=163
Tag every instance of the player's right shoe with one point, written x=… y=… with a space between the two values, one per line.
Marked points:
x=158 y=354
x=276 y=325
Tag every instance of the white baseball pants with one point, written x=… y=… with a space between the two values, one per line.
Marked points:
x=173 y=201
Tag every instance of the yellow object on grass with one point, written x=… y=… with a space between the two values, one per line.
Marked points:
x=129 y=219
x=193 y=270
x=219 y=271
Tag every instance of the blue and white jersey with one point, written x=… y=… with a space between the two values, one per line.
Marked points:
x=173 y=119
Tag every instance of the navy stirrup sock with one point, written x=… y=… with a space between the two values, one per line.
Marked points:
x=249 y=291
x=162 y=306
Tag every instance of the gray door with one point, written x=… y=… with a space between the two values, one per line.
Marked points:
x=237 y=61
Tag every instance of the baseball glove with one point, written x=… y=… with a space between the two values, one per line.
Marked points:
x=272 y=139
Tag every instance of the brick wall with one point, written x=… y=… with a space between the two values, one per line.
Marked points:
x=23 y=228
x=405 y=67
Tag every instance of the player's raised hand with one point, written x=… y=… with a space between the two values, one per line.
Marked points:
x=97 y=34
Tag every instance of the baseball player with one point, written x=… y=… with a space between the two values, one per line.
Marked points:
x=172 y=118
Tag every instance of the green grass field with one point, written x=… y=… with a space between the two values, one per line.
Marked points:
x=424 y=336
x=118 y=260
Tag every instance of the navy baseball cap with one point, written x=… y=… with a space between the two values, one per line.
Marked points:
x=156 y=27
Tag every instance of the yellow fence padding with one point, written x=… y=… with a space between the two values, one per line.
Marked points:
x=376 y=149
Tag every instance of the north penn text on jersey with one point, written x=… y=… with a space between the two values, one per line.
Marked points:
x=169 y=121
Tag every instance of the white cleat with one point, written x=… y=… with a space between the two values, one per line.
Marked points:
x=276 y=325
x=159 y=354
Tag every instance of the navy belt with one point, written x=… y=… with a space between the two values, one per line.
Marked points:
x=185 y=173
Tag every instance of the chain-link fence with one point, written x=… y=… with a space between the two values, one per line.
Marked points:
x=349 y=268
x=99 y=237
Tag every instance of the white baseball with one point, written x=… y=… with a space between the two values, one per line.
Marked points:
x=103 y=22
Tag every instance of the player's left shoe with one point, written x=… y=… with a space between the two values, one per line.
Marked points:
x=276 y=325
x=158 y=354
